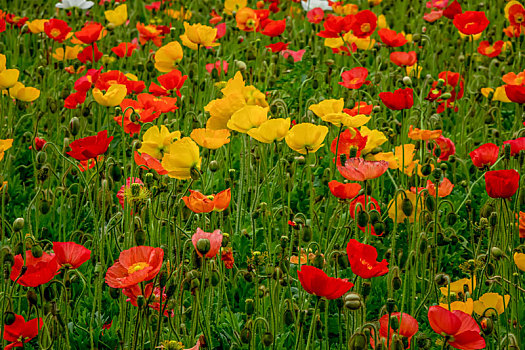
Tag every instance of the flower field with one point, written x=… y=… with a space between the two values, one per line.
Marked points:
x=281 y=174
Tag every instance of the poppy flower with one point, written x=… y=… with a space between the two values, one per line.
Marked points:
x=488 y=50
x=57 y=29
x=4 y=146
x=358 y=169
x=354 y=78
x=248 y=117
x=149 y=162
x=306 y=137
x=132 y=192
x=210 y=241
x=113 y=96
x=344 y=190
x=446 y=146
x=296 y=55
x=220 y=66
x=271 y=130
x=162 y=104
x=419 y=134
x=453 y=9
x=124 y=49
x=460 y=286
x=197 y=35
x=71 y=254
x=247 y=19
x=398 y=100
x=20 y=332
x=87 y=55
x=364 y=23
x=519 y=260
x=362 y=258
x=515 y=93
x=211 y=139
x=75 y=99
x=348 y=140
x=471 y=22
x=316 y=282
x=80 y=4
x=8 y=77
x=485 y=155
x=150 y=33
x=39 y=144
x=408 y=327
x=89 y=33
x=135 y=265
x=155 y=296
x=156 y=141
x=315 y=15
x=516 y=145
x=169 y=82
x=491 y=303
x=515 y=13
x=359 y=204
x=459 y=329
x=227 y=258
x=90 y=147
x=118 y=16
x=403 y=58
x=335 y=26
x=167 y=56
x=23 y=93
x=200 y=203
x=444 y=188
x=113 y=77
x=359 y=108
x=391 y=37
x=39 y=270
x=465 y=306
x=272 y=28
x=277 y=47
x=182 y=159
x=502 y=183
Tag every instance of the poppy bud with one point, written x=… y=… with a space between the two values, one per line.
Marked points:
x=284 y=241
x=390 y=305
x=394 y=323
x=41 y=157
x=74 y=126
x=307 y=234
x=396 y=280
x=267 y=339
x=436 y=174
x=493 y=219
x=18 y=224
x=195 y=174
x=441 y=279
x=497 y=253
x=362 y=218
x=248 y=277
x=36 y=251
x=213 y=166
x=452 y=218
x=430 y=203
x=407 y=81
x=352 y=301
x=506 y=148
x=32 y=299
x=407 y=207
x=9 y=318
x=43 y=175
x=486 y=325
x=379 y=227
x=358 y=342
x=240 y=65
x=445 y=96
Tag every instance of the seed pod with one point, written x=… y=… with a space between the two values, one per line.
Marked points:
x=18 y=224
x=9 y=318
x=267 y=339
x=358 y=342
x=74 y=126
x=213 y=166
x=140 y=237
x=441 y=279
x=362 y=218
x=486 y=325
x=407 y=207
x=379 y=228
x=390 y=305
x=36 y=251
x=451 y=218
x=203 y=246
x=246 y=335
x=497 y=253
x=493 y=219
x=430 y=203
x=352 y=301
x=32 y=299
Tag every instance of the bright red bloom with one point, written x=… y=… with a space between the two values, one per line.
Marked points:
x=363 y=262
x=277 y=47
x=354 y=78
x=334 y=26
x=459 y=328
x=485 y=155
x=39 y=270
x=135 y=116
x=344 y=190
x=149 y=162
x=214 y=238
x=471 y=22
x=315 y=15
x=89 y=33
x=86 y=55
x=57 y=29
x=408 y=327
x=515 y=93
x=358 y=204
x=91 y=146
x=227 y=257
x=359 y=108
x=446 y=147
x=150 y=33
x=71 y=254
x=364 y=24
x=502 y=183
x=154 y=295
x=516 y=145
x=488 y=50
x=358 y=169
x=105 y=80
x=220 y=66
x=403 y=58
x=135 y=265
x=316 y=282
x=452 y=80
x=74 y=100
x=296 y=55
x=21 y=332
x=398 y=100
x=348 y=140
x=516 y=16
x=124 y=49
x=391 y=37
x=169 y=82
x=444 y=189
x=272 y=28
x=39 y=144
x=452 y=10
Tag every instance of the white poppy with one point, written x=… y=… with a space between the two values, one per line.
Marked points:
x=311 y=4
x=81 y=4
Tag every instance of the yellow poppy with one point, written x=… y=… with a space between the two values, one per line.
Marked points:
x=118 y=16
x=271 y=130
x=519 y=260
x=4 y=146
x=395 y=210
x=8 y=78
x=491 y=301
x=459 y=286
x=182 y=159
x=327 y=107
x=248 y=117
x=467 y=306
x=167 y=57
x=156 y=141
x=209 y=138
x=231 y=6
x=37 y=26
x=306 y=137
x=22 y=93
x=375 y=138
x=71 y=53
x=198 y=34
x=113 y=96
x=499 y=94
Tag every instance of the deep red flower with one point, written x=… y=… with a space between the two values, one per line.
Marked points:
x=502 y=183
x=57 y=29
x=86 y=55
x=21 y=332
x=516 y=145
x=277 y=47
x=91 y=146
x=105 y=80
x=358 y=204
x=124 y=49
x=459 y=329
x=155 y=296
x=89 y=33
x=452 y=10
x=74 y=100
x=39 y=144
x=485 y=155
x=39 y=270
x=358 y=169
x=359 y=108
x=398 y=100
x=135 y=115
x=169 y=82
x=315 y=281
x=227 y=257
x=362 y=258
x=408 y=327
x=446 y=147
x=334 y=26
x=364 y=24
x=515 y=93
x=315 y=15
x=471 y=22
x=403 y=58
x=344 y=190
x=71 y=254
x=135 y=265
x=149 y=162
x=272 y=28
x=354 y=78
x=347 y=140
x=488 y=50
x=391 y=37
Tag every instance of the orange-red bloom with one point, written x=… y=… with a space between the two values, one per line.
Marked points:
x=214 y=240
x=459 y=328
x=89 y=33
x=391 y=37
x=362 y=258
x=486 y=49
x=124 y=49
x=20 y=332
x=485 y=155
x=344 y=190
x=247 y=19
x=71 y=254
x=354 y=78
x=135 y=265
x=471 y=22
x=364 y=24
x=358 y=169
x=403 y=58
x=200 y=203
x=315 y=281
x=38 y=270
x=150 y=33
x=57 y=29
x=419 y=134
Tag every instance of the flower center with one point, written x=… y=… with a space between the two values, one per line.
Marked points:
x=365 y=263
x=55 y=32
x=365 y=27
x=137 y=267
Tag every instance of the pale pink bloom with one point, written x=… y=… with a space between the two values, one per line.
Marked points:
x=214 y=237
x=297 y=55
x=358 y=169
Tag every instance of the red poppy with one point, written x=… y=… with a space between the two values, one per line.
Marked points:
x=515 y=93
x=354 y=78
x=459 y=329
x=150 y=33
x=516 y=15
x=272 y=28
x=358 y=169
x=403 y=58
x=347 y=140
x=454 y=84
x=359 y=108
x=135 y=265
x=516 y=145
x=86 y=55
x=315 y=15
x=155 y=296
x=358 y=204
x=391 y=37
x=20 y=332
x=124 y=49
x=214 y=239
x=277 y=47
x=220 y=66
x=335 y=26
x=433 y=15
x=70 y=254
x=296 y=55
x=200 y=203
x=364 y=24
x=149 y=162
x=485 y=155
x=444 y=189
x=105 y=80
x=74 y=100
x=39 y=270
x=363 y=262
x=488 y=50
x=315 y=281
x=452 y=10
x=398 y=100
x=408 y=327
x=344 y=190
x=57 y=29
x=446 y=147
x=91 y=146
x=169 y=82
x=39 y=144
x=227 y=257
x=215 y=17
x=502 y=183
x=89 y=33
x=471 y=22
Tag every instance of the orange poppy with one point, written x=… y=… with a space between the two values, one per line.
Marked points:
x=419 y=134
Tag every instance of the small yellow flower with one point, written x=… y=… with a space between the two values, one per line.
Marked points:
x=22 y=93
x=519 y=260
x=271 y=130
x=71 y=53
x=459 y=286
x=37 y=26
x=198 y=34
x=491 y=301
x=179 y=14
x=4 y=146
x=395 y=211
x=182 y=159
x=211 y=139
x=167 y=57
x=248 y=117
x=467 y=306
x=306 y=137
x=156 y=141
x=8 y=77
x=375 y=138
x=327 y=107
x=118 y=16
x=231 y=6
x=113 y=97
x=499 y=94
